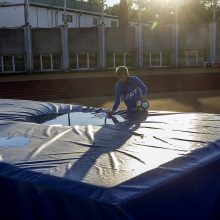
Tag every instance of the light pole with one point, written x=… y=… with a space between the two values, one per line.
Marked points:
x=26 y=12
x=27 y=38
x=65 y=16
x=139 y=11
x=102 y=48
x=64 y=40
x=214 y=10
x=102 y=17
x=176 y=34
x=139 y=43
x=214 y=32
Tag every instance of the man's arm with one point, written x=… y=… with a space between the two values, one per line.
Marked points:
x=142 y=86
x=117 y=99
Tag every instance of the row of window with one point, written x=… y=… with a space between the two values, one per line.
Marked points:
x=114 y=59
x=12 y=63
x=69 y=19
x=47 y=62
x=85 y=60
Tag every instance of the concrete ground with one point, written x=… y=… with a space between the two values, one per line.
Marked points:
x=190 y=101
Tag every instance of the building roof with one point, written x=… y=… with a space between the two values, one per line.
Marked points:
x=71 y=4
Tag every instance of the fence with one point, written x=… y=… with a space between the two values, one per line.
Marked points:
x=56 y=49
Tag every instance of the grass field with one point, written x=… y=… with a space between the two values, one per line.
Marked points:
x=190 y=101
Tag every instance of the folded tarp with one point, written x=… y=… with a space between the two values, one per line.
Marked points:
x=60 y=161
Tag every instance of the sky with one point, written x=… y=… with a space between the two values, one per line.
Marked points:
x=112 y=2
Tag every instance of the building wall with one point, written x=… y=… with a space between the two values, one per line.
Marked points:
x=42 y=17
x=191 y=37
x=46 y=40
x=120 y=47
x=12 y=1
x=48 y=18
x=120 y=39
x=11 y=41
x=12 y=16
x=83 y=39
x=158 y=38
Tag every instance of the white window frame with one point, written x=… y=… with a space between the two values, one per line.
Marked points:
x=2 y=65
x=161 y=58
x=124 y=56
x=125 y=60
x=186 y=56
x=67 y=18
x=13 y=63
x=87 y=61
x=93 y=19
x=41 y=62
x=113 y=59
x=24 y=64
x=150 y=58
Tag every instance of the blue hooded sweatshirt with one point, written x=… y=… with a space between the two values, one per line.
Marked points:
x=130 y=92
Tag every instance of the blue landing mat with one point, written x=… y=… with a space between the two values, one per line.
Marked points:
x=60 y=161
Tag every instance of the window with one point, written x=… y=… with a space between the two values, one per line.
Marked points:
x=73 y=61
x=109 y=60
x=203 y=56
x=93 y=60
x=12 y=63
x=166 y=58
x=114 y=59
x=157 y=58
x=1 y=66
x=46 y=62
x=146 y=59
x=56 y=61
x=95 y=21
x=218 y=54
x=83 y=60
x=69 y=18
x=19 y=63
x=36 y=61
x=129 y=59
x=119 y=59
x=192 y=57
x=8 y=63
x=114 y=23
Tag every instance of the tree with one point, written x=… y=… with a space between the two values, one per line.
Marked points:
x=112 y=10
x=163 y=12
x=123 y=13
x=95 y=2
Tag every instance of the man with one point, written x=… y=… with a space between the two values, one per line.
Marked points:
x=128 y=88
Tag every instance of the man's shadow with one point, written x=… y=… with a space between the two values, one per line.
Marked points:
x=109 y=138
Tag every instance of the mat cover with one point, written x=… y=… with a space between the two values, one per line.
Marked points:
x=61 y=161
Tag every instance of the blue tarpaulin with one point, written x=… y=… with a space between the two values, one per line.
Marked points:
x=60 y=161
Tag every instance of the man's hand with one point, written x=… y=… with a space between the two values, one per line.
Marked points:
x=143 y=98
x=110 y=113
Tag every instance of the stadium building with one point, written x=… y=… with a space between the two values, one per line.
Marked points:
x=44 y=35
x=50 y=14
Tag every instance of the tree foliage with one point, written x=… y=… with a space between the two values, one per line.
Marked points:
x=96 y=2
x=123 y=13
x=164 y=11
